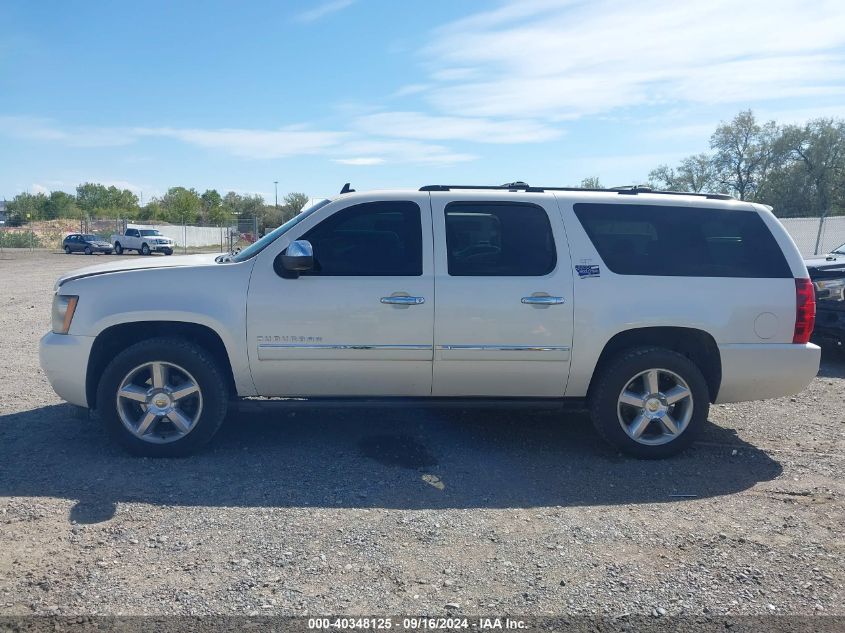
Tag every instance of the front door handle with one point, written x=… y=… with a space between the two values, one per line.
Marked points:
x=402 y=300
x=543 y=300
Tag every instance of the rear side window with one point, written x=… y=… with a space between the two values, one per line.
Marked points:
x=370 y=239
x=498 y=239
x=638 y=239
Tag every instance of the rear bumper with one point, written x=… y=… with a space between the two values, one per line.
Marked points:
x=64 y=359
x=759 y=371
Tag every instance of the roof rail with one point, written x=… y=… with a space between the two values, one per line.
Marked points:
x=630 y=190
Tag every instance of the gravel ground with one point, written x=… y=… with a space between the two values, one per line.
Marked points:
x=394 y=511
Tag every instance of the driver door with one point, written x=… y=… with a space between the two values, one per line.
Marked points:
x=361 y=322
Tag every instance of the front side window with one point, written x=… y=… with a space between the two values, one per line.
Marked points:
x=498 y=240
x=639 y=239
x=370 y=239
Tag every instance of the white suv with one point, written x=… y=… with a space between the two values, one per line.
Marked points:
x=644 y=306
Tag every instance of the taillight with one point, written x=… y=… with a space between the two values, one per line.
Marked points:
x=805 y=311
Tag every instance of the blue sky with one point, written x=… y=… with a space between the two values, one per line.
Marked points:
x=235 y=95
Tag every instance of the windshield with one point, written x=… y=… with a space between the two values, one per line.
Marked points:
x=839 y=250
x=253 y=249
x=149 y=232
x=90 y=238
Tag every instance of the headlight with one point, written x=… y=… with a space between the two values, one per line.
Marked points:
x=830 y=289
x=63 y=308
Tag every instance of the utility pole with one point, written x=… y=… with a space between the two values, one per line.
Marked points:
x=276 y=187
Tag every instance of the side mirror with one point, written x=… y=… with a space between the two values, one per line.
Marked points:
x=296 y=258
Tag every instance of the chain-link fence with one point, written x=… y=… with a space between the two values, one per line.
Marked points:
x=816 y=236
x=188 y=238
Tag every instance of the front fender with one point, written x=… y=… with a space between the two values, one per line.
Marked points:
x=213 y=296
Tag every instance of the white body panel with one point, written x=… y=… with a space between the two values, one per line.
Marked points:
x=489 y=343
x=472 y=336
x=332 y=336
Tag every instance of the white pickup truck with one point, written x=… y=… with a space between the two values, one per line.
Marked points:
x=643 y=307
x=145 y=241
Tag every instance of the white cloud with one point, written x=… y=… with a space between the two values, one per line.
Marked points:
x=40 y=129
x=361 y=160
x=404 y=151
x=566 y=59
x=322 y=10
x=416 y=125
x=258 y=144
x=410 y=89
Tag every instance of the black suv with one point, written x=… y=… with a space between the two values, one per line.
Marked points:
x=828 y=275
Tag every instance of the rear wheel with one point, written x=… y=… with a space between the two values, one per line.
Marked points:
x=118 y=248
x=650 y=402
x=67 y=250
x=163 y=397
x=88 y=250
x=145 y=250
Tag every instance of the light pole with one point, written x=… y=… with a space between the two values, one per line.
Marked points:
x=276 y=187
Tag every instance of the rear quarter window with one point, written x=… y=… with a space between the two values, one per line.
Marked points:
x=638 y=239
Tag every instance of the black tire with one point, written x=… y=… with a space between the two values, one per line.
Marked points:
x=185 y=354
x=145 y=250
x=88 y=250
x=615 y=376
x=168 y=251
x=118 y=248
x=67 y=250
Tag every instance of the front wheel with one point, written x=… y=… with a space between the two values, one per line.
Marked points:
x=168 y=251
x=145 y=250
x=88 y=250
x=163 y=397
x=650 y=402
x=118 y=248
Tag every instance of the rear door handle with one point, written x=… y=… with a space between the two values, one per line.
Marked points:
x=403 y=300
x=543 y=300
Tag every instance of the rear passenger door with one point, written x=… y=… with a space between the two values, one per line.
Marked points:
x=503 y=286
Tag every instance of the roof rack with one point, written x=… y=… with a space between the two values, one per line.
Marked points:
x=630 y=190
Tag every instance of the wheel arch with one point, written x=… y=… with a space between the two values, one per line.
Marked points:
x=697 y=345
x=114 y=339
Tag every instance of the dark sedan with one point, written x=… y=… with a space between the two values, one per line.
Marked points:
x=88 y=244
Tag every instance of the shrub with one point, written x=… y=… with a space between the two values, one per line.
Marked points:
x=19 y=239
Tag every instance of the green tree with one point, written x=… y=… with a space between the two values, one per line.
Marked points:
x=61 y=205
x=816 y=151
x=694 y=174
x=90 y=197
x=212 y=203
x=591 y=182
x=26 y=207
x=182 y=205
x=98 y=200
x=293 y=203
x=151 y=211
x=743 y=153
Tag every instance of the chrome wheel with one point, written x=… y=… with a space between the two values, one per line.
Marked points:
x=159 y=402
x=655 y=407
